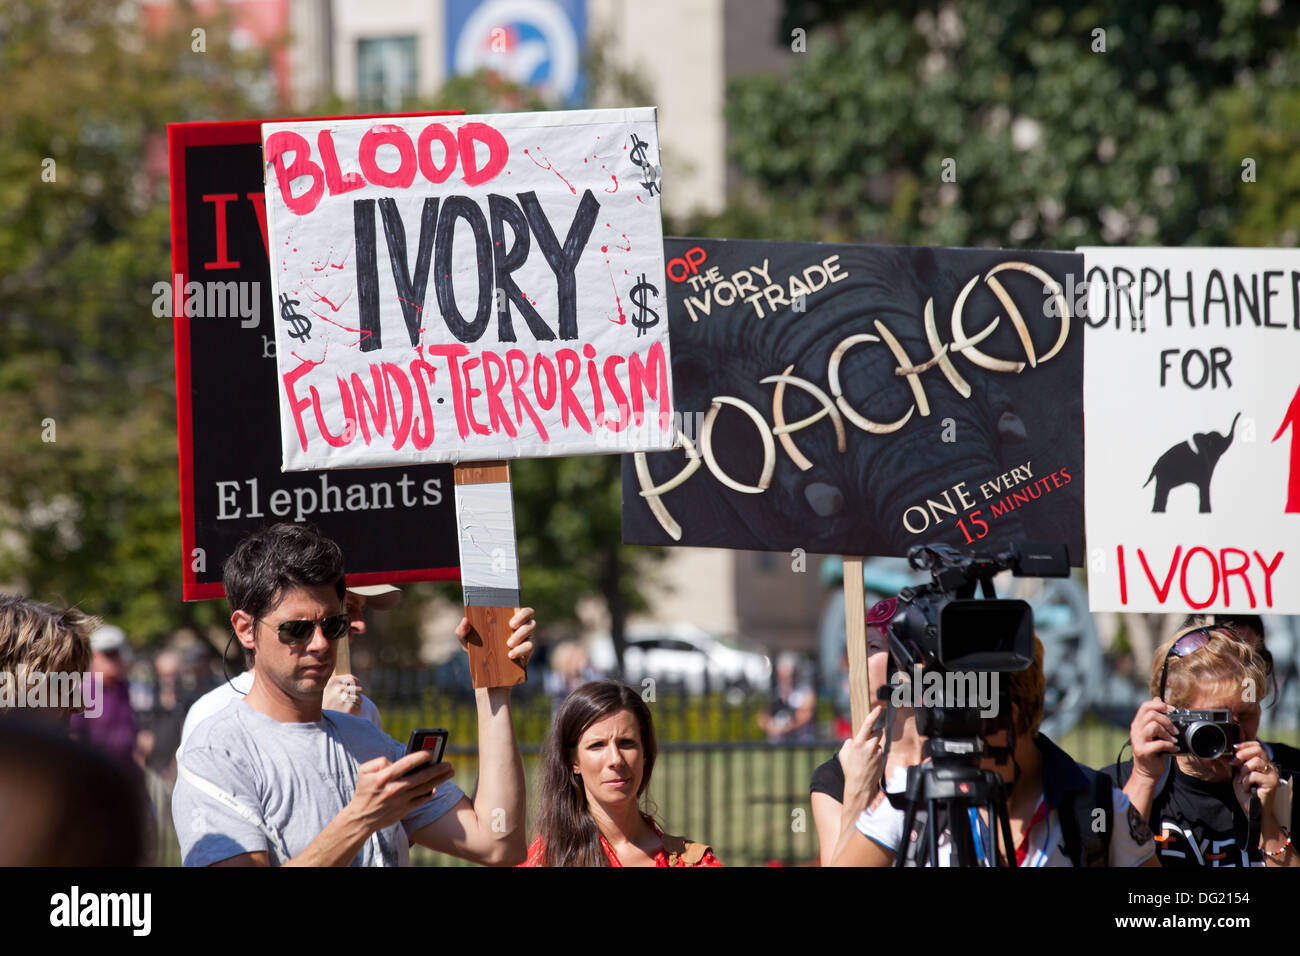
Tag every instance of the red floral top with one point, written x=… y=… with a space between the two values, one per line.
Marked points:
x=537 y=853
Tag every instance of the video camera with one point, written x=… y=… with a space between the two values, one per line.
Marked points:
x=942 y=628
x=942 y=633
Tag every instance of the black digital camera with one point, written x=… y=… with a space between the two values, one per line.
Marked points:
x=1207 y=734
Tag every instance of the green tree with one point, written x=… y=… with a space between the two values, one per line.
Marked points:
x=89 y=506
x=1002 y=123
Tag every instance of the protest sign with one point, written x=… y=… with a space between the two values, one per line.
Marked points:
x=860 y=399
x=1192 y=407
x=467 y=288
x=393 y=524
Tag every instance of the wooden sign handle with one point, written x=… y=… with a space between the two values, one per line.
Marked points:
x=485 y=608
x=855 y=636
x=489 y=661
x=343 y=654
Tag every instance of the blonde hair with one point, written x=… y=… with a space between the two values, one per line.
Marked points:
x=38 y=637
x=1028 y=692
x=1226 y=659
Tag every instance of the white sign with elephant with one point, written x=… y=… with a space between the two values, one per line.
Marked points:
x=1192 y=429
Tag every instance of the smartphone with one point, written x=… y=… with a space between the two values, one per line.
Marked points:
x=427 y=739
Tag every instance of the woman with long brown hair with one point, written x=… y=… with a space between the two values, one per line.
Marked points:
x=595 y=768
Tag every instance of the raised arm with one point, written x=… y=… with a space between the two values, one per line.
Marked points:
x=1152 y=735
x=490 y=828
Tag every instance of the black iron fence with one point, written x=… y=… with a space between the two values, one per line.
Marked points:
x=718 y=779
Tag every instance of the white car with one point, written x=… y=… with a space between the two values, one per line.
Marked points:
x=684 y=655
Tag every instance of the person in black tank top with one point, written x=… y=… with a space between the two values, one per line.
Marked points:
x=1200 y=808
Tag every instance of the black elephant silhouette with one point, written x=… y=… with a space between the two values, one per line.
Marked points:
x=1190 y=463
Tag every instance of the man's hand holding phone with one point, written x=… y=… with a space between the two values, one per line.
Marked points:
x=388 y=790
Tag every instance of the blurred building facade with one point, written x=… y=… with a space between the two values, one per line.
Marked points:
x=382 y=54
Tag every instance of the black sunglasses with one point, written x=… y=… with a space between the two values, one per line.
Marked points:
x=299 y=632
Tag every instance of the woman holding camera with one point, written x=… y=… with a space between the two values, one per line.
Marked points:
x=595 y=767
x=1199 y=806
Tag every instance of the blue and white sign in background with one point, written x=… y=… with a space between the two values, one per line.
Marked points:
x=537 y=43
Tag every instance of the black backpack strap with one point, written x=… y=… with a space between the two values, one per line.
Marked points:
x=1087 y=840
x=1069 y=817
x=1103 y=798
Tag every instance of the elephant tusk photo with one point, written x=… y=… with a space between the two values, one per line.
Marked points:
x=833 y=376
x=692 y=466
x=940 y=354
x=782 y=430
x=657 y=507
x=903 y=359
x=972 y=353
x=1016 y=318
x=769 y=448
x=945 y=363
x=1052 y=286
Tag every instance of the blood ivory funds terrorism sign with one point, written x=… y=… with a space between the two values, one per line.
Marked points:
x=1193 y=414
x=467 y=288
x=864 y=399
x=393 y=524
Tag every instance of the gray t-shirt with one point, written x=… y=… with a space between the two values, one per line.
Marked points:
x=290 y=779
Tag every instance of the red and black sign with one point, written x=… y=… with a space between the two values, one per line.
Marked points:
x=393 y=524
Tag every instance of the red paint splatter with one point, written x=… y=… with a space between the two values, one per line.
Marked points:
x=552 y=169
x=321 y=298
x=320 y=361
x=347 y=328
x=622 y=319
x=615 y=178
x=418 y=307
x=320 y=265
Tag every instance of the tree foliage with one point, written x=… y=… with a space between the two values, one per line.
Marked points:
x=89 y=507
x=1012 y=123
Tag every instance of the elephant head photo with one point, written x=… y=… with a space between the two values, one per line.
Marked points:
x=1190 y=463
x=850 y=493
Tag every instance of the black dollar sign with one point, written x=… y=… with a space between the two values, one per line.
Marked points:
x=638 y=297
x=638 y=153
x=638 y=156
x=299 y=325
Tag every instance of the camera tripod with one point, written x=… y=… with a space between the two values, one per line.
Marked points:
x=946 y=789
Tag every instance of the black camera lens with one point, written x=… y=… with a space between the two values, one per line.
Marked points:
x=1206 y=740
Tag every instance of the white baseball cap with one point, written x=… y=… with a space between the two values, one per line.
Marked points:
x=382 y=597
x=107 y=638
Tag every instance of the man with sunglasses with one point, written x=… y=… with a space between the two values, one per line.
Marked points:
x=275 y=780
x=342 y=693
x=1200 y=809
